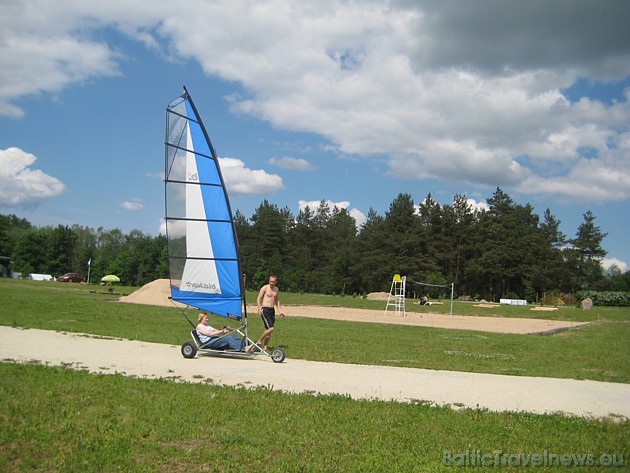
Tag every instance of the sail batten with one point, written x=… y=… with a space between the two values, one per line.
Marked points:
x=191 y=151
x=204 y=263
x=174 y=181
x=196 y=220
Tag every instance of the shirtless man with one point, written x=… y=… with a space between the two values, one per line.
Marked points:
x=268 y=300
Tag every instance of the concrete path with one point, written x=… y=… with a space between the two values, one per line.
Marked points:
x=457 y=389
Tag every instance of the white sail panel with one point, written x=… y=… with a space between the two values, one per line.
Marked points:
x=199 y=275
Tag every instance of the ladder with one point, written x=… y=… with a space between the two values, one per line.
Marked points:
x=396 y=297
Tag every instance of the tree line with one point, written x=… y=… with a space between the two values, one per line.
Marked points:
x=505 y=250
x=135 y=257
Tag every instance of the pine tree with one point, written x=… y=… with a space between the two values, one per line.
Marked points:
x=584 y=258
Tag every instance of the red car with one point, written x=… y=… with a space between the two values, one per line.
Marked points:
x=70 y=277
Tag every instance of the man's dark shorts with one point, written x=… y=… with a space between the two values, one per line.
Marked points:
x=269 y=316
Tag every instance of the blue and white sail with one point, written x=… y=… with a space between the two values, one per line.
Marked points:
x=202 y=245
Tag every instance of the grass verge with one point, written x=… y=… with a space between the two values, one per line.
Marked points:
x=56 y=419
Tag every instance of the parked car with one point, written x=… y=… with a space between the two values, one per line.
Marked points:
x=70 y=277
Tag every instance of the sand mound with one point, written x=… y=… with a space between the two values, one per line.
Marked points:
x=153 y=293
x=378 y=296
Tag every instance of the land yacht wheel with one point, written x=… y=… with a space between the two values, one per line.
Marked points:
x=189 y=350
x=278 y=355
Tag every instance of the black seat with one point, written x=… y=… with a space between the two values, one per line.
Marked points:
x=200 y=344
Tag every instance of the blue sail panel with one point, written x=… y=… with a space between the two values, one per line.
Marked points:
x=203 y=250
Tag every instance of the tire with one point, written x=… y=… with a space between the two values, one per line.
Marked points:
x=278 y=355
x=189 y=350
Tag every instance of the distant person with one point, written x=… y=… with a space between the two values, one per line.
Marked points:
x=424 y=300
x=213 y=336
x=268 y=300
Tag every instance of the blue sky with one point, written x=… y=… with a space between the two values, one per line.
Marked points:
x=348 y=102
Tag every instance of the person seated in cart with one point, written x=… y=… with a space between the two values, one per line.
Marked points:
x=213 y=336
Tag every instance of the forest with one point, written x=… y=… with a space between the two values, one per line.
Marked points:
x=506 y=251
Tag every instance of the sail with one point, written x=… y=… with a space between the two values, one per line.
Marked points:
x=202 y=245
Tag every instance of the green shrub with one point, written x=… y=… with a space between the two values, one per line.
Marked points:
x=606 y=298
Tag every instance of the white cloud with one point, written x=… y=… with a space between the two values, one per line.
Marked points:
x=443 y=90
x=473 y=205
x=288 y=162
x=132 y=205
x=606 y=178
x=162 y=227
x=607 y=263
x=358 y=216
x=156 y=175
x=23 y=186
x=44 y=52
x=477 y=206
x=176 y=228
x=241 y=180
x=314 y=205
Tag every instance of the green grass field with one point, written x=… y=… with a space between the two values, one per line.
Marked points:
x=598 y=352
x=56 y=419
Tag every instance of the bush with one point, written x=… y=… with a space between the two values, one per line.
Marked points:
x=606 y=298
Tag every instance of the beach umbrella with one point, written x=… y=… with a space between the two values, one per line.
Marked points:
x=110 y=278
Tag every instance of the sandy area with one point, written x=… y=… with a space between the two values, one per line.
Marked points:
x=157 y=293
x=460 y=322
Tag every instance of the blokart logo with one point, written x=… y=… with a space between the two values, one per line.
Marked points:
x=193 y=176
x=201 y=285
